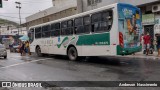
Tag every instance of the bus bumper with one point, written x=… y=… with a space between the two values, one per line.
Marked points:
x=128 y=51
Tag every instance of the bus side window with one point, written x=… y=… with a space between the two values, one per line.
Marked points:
x=55 y=29
x=96 y=18
x=101 y=21
x=46 y=31
x=78 y=22
x=110 y=19
x=38 y=32
x=52 y=29
x=64 y=28
x=67 y=27
x=86 y=24
x=70 y=27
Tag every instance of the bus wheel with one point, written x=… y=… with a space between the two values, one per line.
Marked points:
x=72 y=53
x=38 y=52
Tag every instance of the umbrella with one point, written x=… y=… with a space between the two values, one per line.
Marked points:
x=24 y=38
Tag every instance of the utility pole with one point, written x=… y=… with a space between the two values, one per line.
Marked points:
x=19 y=7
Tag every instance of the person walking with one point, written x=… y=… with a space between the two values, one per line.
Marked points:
x=158 y=43
x=147 y=41
x=27 y=47
x=22 y=49
x=142 y=41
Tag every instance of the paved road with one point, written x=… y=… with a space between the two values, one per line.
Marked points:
x=51 y=68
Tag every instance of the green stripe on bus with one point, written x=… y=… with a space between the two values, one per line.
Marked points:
x=94 y=39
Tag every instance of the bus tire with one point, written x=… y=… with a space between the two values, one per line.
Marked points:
x=38 y=52
x=72 y=54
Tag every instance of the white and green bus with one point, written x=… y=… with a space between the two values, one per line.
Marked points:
x=107 y=31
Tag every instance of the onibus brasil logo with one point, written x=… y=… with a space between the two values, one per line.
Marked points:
x=20 y=84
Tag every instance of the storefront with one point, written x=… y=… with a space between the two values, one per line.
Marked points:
x=148 y=21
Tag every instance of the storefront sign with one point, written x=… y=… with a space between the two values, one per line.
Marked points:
x=148 y=19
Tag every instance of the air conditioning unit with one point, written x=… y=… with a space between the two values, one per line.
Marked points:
x=156 y=8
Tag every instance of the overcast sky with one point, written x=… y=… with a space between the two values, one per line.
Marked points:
x=29 y=7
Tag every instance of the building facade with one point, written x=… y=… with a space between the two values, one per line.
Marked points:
x=60 y=9
x=6 y=29
x=64 y=8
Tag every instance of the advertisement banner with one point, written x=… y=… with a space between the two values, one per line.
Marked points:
x=130 y=25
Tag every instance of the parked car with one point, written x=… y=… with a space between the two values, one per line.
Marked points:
x=3 y=51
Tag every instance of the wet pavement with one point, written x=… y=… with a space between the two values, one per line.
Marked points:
x=59 y=68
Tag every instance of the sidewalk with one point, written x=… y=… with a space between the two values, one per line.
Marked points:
x=143 y=56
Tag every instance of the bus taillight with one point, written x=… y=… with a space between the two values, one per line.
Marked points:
x=121 y=43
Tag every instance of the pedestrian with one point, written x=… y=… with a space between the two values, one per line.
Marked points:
x=142 y=41
x=22 y=49
x=158 y=43
x=28 y=47
x=10 y=47
x=26 y=51
x=147 y=41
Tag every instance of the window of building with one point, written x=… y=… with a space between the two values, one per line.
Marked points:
x=46 y=31
x=102 y=21
x=55 y=29
x=38 y=32
x=93 y=2
x=89 y=2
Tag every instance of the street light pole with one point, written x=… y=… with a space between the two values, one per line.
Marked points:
x=19 y=7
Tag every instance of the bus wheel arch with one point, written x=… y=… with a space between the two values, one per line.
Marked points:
x=72 y=52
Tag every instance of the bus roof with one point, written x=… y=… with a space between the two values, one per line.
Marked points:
x=77 y=15
x=82 y=14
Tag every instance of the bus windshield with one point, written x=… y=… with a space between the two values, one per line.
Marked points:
x=130 y=25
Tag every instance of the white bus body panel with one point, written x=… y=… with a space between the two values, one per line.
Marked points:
x=49 y=45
